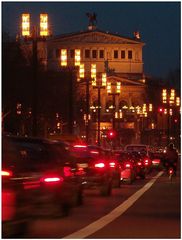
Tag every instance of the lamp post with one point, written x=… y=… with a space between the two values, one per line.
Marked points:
x=169 y=100
x=87 y=80
x=100 y=85
x=114 y=94
x=32 y=35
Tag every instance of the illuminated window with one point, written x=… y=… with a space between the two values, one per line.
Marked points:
x=115 y=53
x=77 y=57
x=63 y=57
x=129 y=54
x=123 y=54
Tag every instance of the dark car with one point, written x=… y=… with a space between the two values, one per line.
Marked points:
x=49 y=185
x=13 y=196
x=139 y=164
x=92 y=167
x=157 y=160
x=127 y=170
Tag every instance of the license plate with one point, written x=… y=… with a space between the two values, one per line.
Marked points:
x=82 y=165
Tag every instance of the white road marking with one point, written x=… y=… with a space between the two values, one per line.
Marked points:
x=118 y=211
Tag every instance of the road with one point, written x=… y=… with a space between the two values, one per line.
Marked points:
x=148 y=208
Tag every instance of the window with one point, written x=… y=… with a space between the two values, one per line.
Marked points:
x=57 y=53
x=101 y=54
x=122 y=54
x=94 y=53
x=129 y=54
x=115 y=53
x=87 y=53
x=50 y=53
x=72 y=53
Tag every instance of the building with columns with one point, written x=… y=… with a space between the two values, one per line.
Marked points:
x=94 y=52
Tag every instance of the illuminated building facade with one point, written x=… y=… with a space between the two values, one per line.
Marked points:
x=118 y=57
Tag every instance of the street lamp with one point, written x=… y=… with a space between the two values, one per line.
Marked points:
x=87 y=80
x=114 y=94
x=99 y=85
x=170 y=100
x=32 y=35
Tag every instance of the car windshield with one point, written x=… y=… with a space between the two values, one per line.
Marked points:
x=141 y=149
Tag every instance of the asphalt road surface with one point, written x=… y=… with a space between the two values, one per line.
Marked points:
x=147 y=208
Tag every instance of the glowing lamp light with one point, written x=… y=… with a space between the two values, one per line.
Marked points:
x=93 y=74
x=63 y=57
x=177 y=101
x=164 y=95
x=77 y=57
x=150 y=107
x=82 y=71
x=44 y=25
x=118 y=87
x=172 y=96
x=108 y=87
x=104 y=79
x=25 y=24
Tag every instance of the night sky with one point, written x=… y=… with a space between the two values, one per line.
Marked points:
x=157 y=22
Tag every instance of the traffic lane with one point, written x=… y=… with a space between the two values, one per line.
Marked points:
x=94 y=208
x=155 y=215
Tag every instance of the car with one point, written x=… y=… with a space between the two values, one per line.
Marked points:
x=14 y=203
x=92 y=168
x=127 y=170
x=139 y=164
x=50 y=187
x=143 y=150
x=157 y=160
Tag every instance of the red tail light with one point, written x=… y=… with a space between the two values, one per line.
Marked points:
x=6 y=173
x=146 y=162
x=94 y=152
x=52 y=179
x=67 y=172
x=99 y=165
x=127 y=165
x=170 y=171
x=139 y=163
x=79 y=146
x=112 y=164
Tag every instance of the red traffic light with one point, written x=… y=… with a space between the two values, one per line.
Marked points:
x=160 y=110
x=111 y=134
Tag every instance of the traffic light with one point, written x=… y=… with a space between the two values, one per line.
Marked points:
x=160 y=110
x=111 y=134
